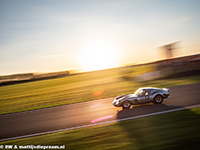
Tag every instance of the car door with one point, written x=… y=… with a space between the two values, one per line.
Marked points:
x=144 y=96
x=141 y=97
x=147 y=94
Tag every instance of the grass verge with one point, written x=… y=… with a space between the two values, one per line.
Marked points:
x=176 y=130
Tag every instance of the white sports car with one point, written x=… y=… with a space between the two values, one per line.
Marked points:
x=142 y=95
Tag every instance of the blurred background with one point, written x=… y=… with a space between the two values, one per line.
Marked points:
x=48 y=36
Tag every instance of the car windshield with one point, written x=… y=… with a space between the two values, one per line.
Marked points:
x=138 y=91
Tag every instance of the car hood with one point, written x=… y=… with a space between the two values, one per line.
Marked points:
x=131 y=95
x=126 y=96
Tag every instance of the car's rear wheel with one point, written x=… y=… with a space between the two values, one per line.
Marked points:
x=158 y=99
x=126 y=104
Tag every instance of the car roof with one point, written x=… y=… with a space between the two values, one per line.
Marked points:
x=149 y=88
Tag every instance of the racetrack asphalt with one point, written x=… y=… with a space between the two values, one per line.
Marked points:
x=86 y=113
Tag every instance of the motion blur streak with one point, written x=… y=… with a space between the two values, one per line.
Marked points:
x=102 y=118
x=96 y=105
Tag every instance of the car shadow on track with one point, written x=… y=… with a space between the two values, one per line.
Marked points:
x=143 y=109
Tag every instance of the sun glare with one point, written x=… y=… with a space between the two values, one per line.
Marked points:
x=99 y=56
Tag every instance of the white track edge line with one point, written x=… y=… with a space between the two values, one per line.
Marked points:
x=101 y=123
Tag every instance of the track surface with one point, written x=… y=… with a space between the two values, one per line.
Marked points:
x=67 y=116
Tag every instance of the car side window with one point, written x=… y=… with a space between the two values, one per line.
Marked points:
x=152 y=91
x=146 y=93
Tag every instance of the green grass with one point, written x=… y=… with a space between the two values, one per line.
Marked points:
x=176 y=130
x=79 y=88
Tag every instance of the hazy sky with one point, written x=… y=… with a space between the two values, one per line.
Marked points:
x=50 y=35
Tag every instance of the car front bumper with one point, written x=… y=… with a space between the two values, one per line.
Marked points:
x=116 y=103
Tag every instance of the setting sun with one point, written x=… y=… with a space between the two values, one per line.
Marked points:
x=99 y=55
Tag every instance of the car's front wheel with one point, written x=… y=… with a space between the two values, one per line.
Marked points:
x=158 y=99
x=126 y=104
